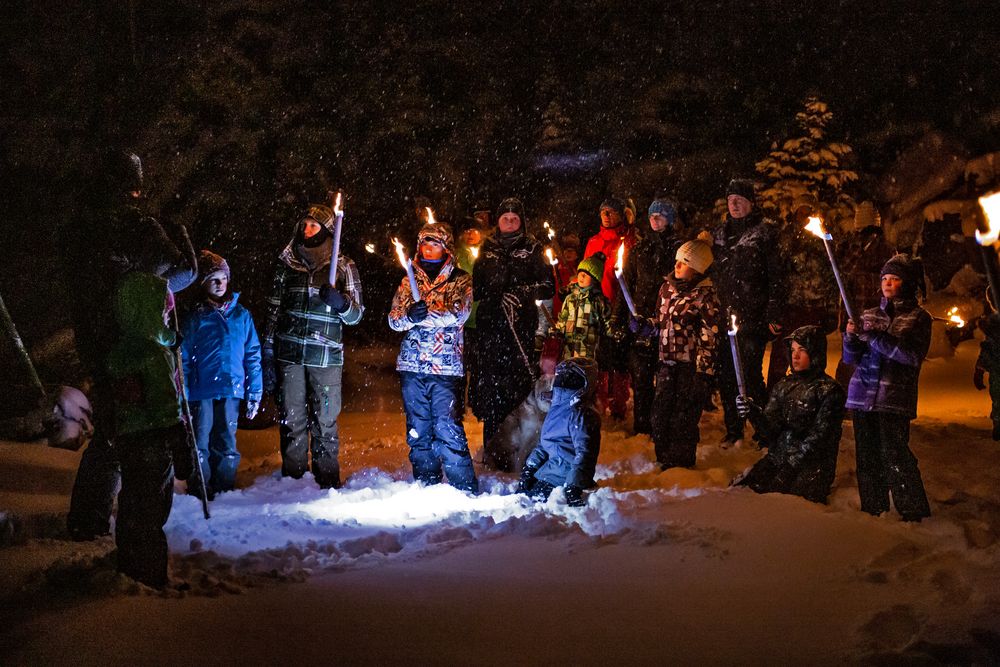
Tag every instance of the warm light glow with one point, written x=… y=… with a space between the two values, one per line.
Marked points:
x=552 y=258
x=734 y=329
x=474 y=250
x=991 y=210
x=430 y=216
x=538 y=302
x=399 y=252
x=955 y=319
x=336 y=205
x=815 y=226
x=370 y=247
x=621 y=258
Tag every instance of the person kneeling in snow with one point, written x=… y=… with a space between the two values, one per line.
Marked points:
x=221 y=355
x=801 y=421
x=571 y=436
x=430 y=361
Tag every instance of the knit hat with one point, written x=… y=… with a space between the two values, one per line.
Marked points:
x=209 y=263
x=511 y=205
x=665 y=207
x=437 y=231
x=696 y=254
x=320 y=213
x=910 y=269
x=569 y=241
x=616 y=205
x=593 y=266
x=742 y=187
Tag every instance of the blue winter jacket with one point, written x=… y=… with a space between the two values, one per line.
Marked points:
x=221 y=353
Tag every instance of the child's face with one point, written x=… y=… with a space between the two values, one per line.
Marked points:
x=216 y=285
x=892 y=285
x=570 y=256
x=800 y=358
x=683 y=272
x=431 y=250
x=584 y=279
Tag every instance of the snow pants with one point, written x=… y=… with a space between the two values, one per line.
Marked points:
x=887 y=466
x=613 y=387
x=500 y=391
x=309 y=400
x=144 y=503
x=215 y=423
x=677 y=408
x=99 y=474
x=642 y=365
x=811 y=481
x=434 y=430
x=752 y=346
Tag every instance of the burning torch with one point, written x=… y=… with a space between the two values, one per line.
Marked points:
x=553 y=260
x=815 y=226
x=621 y=279
x=545 y=311
x=338 y=223
x=991 y=210
x=408 y=266
x=737 y=359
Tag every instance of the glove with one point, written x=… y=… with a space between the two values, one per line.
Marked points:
x=641 y=326
x=977 y=378
x=252 y=408
x=527 y=480
x=417 y=312
x=332 y=297
x=745 y=405
x=574 y=496
x=511 y=300
x=268 y=372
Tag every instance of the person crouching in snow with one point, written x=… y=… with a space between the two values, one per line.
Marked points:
x=151 y=434
x=583 y=320
x=221 y=355
x=430 y=361
x=687 y=327
x=567 y=452
x=989 y=362
x=888 y=349
x=802 y=422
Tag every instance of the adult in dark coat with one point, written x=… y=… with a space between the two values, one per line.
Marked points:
x=570 y=443
x=750 y=282
x=888 y=348
x=802 y=422
x=112 y=238
x=510 y=274
x=651 y=260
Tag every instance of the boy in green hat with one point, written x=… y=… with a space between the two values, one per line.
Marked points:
x=583 y=320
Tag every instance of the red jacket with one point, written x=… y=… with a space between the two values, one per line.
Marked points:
x=608 y=242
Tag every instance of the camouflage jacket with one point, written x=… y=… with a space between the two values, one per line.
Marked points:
x=688 y=323
x=583 y=320
x=433 y=346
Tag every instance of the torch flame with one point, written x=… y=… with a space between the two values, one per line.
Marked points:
x=552 y=259
x=954 y=318
x=399 y=251
x=370 y=247
x=337 y=210
x=815 y=226
x=474 y=250
x=734 y=329
x=621 y=258
x=430 y=216
x=538 y=302
x=991 y=209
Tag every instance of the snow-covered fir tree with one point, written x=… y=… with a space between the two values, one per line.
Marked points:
x=809 y=163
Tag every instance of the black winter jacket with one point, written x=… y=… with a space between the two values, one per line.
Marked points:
x=749 y=277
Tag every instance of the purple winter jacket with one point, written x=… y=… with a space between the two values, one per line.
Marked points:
x=888 y=363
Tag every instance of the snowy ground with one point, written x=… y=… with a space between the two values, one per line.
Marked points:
x=659 y=566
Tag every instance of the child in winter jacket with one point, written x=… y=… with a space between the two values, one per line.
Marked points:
x=989 y=362
x=221 y=355
x=888 y=347
x=802 y=421
x=686 y=325
x=585 y=313
x=567 y=452
x=430 y=361
x=148 y=424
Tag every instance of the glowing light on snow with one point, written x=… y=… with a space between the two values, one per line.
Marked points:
x=552 y=258
x=430 y=216
x=991 y=209
x=955 y=319
x=815 y=226
x=370 y=248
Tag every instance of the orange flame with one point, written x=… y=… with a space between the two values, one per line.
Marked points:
x=430 y=216
x=955 y=318
x=399 y=251
x=474 y=250
x=734 y=329
x=552 y=259
x=991 y=210
x=621 y=258
x=337 y=209
x=370 y=248
x=815 y=226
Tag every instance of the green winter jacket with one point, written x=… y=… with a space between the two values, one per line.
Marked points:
x=141 y=364
x=583 y=320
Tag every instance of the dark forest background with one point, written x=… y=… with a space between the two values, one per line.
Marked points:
x=245 y=110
